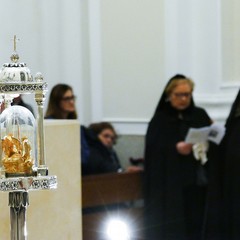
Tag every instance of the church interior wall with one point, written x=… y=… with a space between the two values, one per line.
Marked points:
x=119 y=55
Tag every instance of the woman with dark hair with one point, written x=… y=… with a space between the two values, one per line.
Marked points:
x=61 y=103
x=105 y=132
x=175 y=183
x=102 y=156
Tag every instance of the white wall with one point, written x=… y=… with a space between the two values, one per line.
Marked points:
x=118 y=55
x=50 y=39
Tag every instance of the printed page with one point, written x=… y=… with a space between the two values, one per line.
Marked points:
x=213 y=133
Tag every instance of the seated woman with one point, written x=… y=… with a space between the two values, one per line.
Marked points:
x=102 y=156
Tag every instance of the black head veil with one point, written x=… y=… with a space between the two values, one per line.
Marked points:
x=163 y=100
x=162 y=106
x=235 y=110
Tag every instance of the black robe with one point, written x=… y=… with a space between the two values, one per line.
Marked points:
x=175 y=185
x=223 y=214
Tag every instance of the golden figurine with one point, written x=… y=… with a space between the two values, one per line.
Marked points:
x=17 y=155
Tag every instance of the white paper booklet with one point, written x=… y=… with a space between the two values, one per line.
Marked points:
x=213 y=133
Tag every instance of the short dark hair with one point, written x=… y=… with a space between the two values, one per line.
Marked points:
x=98 y=127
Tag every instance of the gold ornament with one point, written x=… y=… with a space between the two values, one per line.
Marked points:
x=17 y=155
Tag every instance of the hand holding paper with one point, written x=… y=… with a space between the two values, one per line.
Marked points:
x=213 y=133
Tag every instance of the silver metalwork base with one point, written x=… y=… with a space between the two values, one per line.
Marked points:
x=18 y=202
x=18 y=188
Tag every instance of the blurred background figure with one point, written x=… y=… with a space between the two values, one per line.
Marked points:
x=223 y=212
x=175 y=182
x=61 y=103
x=19 y=101
x=102 y=156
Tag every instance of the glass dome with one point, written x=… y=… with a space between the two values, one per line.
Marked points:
x=18 y=130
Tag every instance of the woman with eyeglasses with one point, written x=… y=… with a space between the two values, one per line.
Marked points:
x=175 y=182
x=102 y=157
x=61 y=103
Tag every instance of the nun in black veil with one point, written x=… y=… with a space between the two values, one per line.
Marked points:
x=175 y=182
x=223 y=211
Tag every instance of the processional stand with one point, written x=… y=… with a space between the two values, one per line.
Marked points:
x=22 y=159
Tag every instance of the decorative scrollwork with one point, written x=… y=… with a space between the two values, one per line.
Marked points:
x=35 y=183
x=22 y=88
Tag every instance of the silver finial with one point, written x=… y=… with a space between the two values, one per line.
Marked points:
x=38 y=77
x=15 y=40
x=15 y=56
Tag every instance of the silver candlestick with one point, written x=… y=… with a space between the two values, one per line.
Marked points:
x=23 y=165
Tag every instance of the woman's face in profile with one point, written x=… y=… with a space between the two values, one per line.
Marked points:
x=181 y=95
x=107 y=137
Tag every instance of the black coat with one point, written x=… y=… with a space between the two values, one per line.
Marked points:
x=223 y=215
x=101 y=159
x=174 y=186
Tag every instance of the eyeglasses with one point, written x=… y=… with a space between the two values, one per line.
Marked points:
x=181 y=95
x=68 y=99
x=109 y=136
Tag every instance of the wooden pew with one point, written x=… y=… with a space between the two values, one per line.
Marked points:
x=108 y=195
